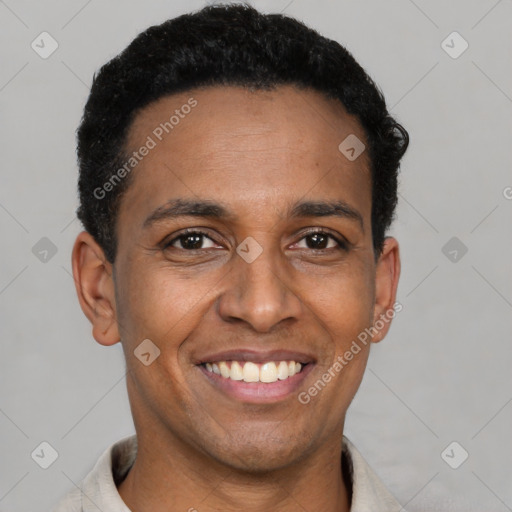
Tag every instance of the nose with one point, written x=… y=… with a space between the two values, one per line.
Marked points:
x=260 y=293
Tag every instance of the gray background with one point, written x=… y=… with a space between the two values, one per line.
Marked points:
x=443 y=372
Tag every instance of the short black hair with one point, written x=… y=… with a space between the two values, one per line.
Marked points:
x=225 y=45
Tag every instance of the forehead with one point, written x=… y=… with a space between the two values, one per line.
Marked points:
x=244 y=147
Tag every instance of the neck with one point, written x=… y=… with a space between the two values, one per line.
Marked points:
x=168 y=476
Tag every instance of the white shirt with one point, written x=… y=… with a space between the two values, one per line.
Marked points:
x=98 y=490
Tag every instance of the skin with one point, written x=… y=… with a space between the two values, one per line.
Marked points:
x=257 y=153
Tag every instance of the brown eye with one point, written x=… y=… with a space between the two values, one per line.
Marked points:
x=320 y=241
x=190 y=241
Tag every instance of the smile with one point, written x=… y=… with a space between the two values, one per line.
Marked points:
x=247 y=371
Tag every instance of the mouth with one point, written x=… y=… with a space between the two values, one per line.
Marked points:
x=253 y=377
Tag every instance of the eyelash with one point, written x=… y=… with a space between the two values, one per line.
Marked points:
x=342 y=245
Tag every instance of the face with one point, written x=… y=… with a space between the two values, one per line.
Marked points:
x=245 y=248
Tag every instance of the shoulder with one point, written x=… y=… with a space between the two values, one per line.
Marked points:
x=98 y=490
x=368 y=490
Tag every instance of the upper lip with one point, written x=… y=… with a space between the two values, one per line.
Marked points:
x=256 y=356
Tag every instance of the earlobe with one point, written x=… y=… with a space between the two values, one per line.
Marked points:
x=94 y=285
x=386 y=283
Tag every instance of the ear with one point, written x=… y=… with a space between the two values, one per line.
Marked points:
x=95 y=288
x=386 y=282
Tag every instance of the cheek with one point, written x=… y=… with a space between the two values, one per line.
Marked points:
x=161 y=305
x=155 y=305
x=351 y=321
x=343 y=303
x=346 y=312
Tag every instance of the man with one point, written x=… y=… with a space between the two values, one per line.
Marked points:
x=238 y=173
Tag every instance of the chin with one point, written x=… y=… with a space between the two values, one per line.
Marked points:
x=262 y=454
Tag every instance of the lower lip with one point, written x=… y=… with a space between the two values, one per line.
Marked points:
x=258 y=392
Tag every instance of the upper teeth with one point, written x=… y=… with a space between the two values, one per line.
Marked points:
x=252 y=372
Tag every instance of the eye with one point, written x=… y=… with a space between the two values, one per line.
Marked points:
x=190 y=240
x=319 y=240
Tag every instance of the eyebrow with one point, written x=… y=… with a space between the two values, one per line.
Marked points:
x=336 y=208
x=207 y=208
x=187 y=208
